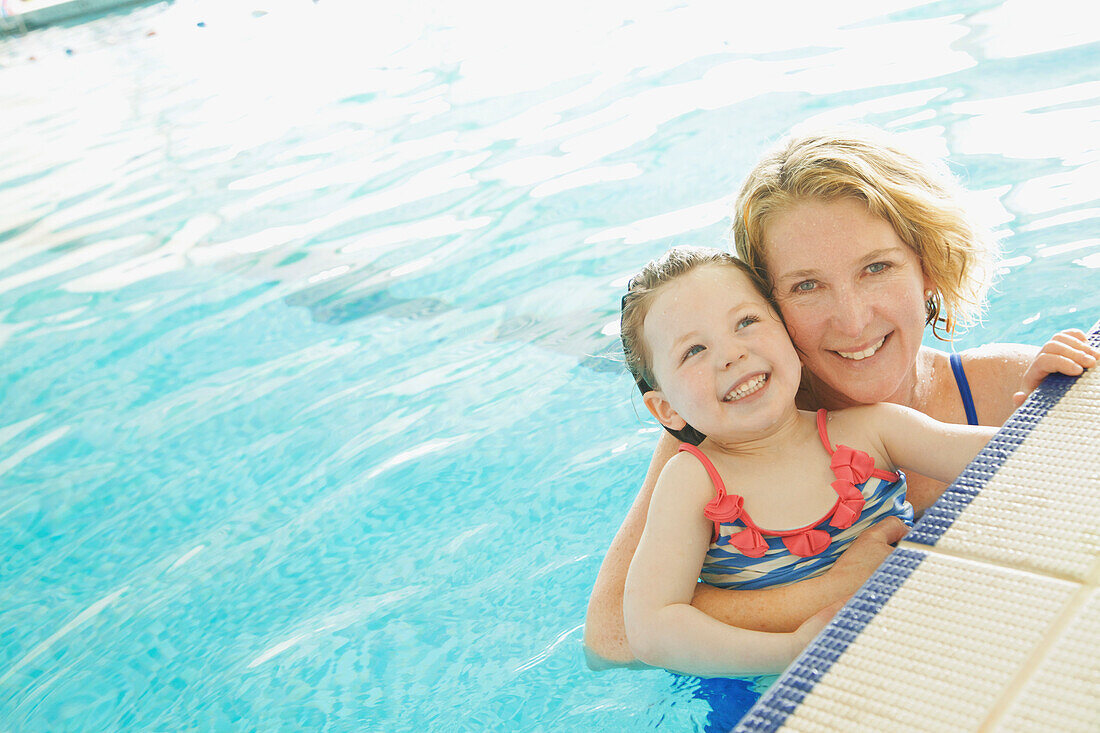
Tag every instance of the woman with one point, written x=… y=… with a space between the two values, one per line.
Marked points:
x=863 y=246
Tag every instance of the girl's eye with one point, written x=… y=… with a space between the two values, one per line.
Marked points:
x=876 y=267
x=805 y=286
x=692 y=351
x=747 y=321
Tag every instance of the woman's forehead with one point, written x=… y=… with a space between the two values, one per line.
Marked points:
x=817 y=235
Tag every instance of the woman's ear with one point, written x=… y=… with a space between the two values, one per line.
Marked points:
x=660 y=408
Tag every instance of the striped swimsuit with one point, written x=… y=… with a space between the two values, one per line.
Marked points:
x=745 y=556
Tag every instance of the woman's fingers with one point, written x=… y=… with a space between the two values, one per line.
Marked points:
x=1073 y=344
x=891 y=530
x=868 y=550
x=1075 y=341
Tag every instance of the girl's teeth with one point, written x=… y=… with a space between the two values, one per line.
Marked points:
x=858 y=355
x=747 y=388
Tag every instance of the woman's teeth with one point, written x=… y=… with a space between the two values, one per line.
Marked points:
x=746 y=388
x=859 y=355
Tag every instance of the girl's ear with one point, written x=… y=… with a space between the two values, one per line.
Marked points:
x=660 y=408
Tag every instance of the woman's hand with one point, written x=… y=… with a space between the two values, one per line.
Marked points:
x=1067 y=352
x=866 y=553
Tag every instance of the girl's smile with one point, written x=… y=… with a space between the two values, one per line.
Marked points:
x=746 y=387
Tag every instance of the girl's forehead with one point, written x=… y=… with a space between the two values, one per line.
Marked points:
x=722 y=278
x=707 y=284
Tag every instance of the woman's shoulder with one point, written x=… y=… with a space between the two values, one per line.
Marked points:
x=994 y=373
x=992 y=355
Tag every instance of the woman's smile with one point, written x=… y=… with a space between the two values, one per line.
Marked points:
x=859 y=354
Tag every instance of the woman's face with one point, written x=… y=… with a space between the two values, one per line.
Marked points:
x=852 y=295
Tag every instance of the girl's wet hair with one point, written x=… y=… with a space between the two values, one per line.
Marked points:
x=919 y=199
x=640 y=293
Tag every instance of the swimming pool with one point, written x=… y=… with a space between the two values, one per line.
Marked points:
x=311 y=413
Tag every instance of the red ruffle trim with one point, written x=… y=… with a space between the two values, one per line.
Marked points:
x=850 y=466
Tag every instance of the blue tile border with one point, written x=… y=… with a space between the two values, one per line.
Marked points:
x=784 y=697
x=959 y=494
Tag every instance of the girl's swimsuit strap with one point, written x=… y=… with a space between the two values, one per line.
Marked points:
x=822 y=414
x=964 y=388
x=711 y=470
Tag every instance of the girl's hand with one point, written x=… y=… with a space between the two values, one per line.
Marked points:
x=1067 y=352
x=812 y=626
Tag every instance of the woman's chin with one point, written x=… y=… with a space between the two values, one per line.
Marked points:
x=858 y=387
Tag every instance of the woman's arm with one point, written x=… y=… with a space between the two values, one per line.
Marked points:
x=995 y=373
x=1067 y=352
x=604 y=632
x=1001 y=376
x=663 y=628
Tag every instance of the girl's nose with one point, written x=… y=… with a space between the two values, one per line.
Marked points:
x=734 y=352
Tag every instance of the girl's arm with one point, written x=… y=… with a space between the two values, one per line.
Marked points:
x=775 y=609
x=662 y=627
x=940 y=450
x=915 y=442
x=604 y=632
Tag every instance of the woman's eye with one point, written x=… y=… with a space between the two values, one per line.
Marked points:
x=805 y=286
x=747 y=321
x=877 y=267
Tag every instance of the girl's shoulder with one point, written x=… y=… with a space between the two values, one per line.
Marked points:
x=865 y=426
x=860 y=418
x=687 y=477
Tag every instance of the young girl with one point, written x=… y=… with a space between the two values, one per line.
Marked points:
x=772 y=494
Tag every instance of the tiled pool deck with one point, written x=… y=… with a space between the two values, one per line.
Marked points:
x=987 y=616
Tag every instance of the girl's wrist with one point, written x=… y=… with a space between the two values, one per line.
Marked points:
x=797 y=642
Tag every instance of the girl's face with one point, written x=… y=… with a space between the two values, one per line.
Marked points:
x=852 y=295
x=722 y=359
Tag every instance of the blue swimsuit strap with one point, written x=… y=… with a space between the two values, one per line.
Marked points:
x=964 y=389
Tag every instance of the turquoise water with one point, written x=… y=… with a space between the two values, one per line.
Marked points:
x=311 y=415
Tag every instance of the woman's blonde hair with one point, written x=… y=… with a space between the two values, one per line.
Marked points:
x=918 y=198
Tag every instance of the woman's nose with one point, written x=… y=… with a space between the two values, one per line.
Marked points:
x=851 y=312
